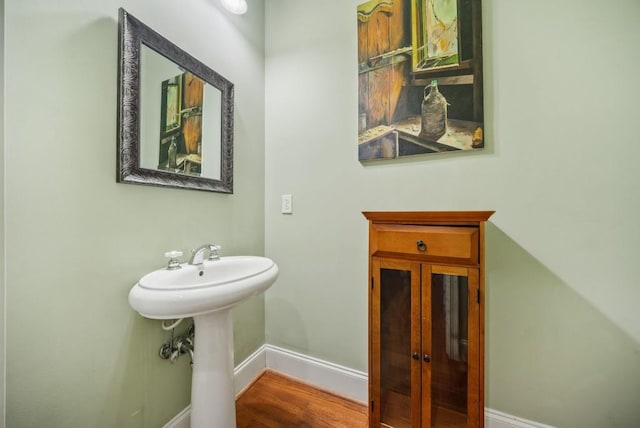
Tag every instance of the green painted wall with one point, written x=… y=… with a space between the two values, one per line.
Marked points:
x=560 y=169
x=2 y=253
x=76 y=241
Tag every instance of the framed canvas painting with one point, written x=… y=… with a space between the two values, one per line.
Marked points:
x=420 y=81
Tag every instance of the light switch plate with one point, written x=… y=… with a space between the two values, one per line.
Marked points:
x=287 y=206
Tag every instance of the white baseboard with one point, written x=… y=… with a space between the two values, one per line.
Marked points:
x=331 y=377
x=323 y=374
x=497 y=419
x=250 y=368
x=181 y=420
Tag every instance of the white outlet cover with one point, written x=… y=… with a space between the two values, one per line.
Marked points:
x=287 y=204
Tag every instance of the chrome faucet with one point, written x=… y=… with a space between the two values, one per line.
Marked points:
x=197 y=258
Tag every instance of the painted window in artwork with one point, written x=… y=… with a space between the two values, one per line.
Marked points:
x=437 y=42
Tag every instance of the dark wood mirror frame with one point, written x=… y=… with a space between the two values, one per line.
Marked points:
x=132 y=34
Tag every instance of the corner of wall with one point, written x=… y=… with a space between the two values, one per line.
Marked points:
x=2 y=242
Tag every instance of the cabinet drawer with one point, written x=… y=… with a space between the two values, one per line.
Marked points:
x=427 y=241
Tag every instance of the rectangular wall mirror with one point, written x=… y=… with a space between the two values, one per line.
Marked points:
x=175 y=114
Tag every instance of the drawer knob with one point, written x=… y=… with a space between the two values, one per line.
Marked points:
x=422 y=247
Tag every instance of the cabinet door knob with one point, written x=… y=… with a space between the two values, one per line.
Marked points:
x=426 y=358
x=422 y=247
x=416 y=356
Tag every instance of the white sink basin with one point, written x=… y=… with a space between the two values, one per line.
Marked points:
x=200 y=289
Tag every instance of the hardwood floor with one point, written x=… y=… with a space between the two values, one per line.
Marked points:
x=277 y=401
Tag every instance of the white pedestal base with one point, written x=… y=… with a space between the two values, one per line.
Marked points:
x=212 y=389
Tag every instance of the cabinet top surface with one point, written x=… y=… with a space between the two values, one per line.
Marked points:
x=428 y=217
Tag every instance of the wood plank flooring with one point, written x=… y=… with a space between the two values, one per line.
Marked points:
x=277 y=401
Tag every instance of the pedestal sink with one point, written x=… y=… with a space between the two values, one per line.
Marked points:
x=206 y=292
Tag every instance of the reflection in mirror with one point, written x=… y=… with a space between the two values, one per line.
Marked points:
x=175 y=124
x=173 y=103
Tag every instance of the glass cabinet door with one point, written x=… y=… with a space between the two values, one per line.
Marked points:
x=395 y=329
x=450 y=345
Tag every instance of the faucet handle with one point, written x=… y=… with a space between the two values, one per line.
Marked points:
x=174 y=259
x=214 y=252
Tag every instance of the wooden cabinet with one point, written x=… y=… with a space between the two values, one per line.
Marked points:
x=426 y=319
